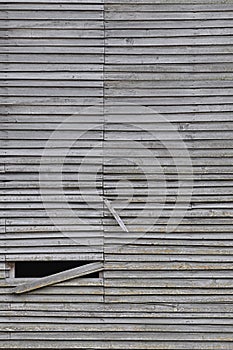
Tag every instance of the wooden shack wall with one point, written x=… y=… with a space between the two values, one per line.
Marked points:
x=163 y=291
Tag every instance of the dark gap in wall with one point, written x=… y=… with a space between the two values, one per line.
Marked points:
x=31 y=269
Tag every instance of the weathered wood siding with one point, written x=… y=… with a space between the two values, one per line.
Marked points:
x=162 y=291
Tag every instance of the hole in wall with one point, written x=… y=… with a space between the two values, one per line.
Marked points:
x=37 y=269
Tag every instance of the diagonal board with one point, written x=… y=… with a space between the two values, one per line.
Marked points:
x=59 y=277
x=115 y=215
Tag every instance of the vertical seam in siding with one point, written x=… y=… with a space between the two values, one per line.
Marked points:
x=103 y=180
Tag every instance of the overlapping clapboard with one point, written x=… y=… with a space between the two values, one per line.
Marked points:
x=162 y=291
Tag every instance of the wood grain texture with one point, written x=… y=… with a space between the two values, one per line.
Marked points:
x=162 y=290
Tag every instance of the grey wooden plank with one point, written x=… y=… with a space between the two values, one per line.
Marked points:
x=96 y=14
x=34 y=50
x=116 y=215
x=171 y=283
x=59 y=277
x=186 y=329
x=130 y=336
x=218 y=345
x=70 y=33
x=56 y=2
x=140 y=32
x=92 y=317
x=124 y=308
x=51 y=24
x=151 y=42
x=150 y=6
x=171 y=57
x=56 y=6
x=162 y=2
x=166 y=15
x=160 y=266
x=82 y=255
x=99 y=344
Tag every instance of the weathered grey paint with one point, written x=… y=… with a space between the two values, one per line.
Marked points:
x=163 y=291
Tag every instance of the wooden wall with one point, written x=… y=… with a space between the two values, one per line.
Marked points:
x=164 y=290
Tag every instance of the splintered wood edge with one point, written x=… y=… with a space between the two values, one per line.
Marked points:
x=59 y=277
